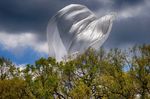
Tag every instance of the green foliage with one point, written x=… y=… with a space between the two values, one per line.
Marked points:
x=115 y=74
x=13 y=89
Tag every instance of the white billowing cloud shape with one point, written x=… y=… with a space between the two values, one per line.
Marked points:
x=18 y=42
x=74 y=29
x=141 y=9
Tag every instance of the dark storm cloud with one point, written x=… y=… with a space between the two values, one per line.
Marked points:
x=122 y=3
x=24 y=16
x=32 y=15
x=20 y=16
x=130 y=32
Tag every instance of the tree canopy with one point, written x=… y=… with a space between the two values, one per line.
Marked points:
x=113 y=74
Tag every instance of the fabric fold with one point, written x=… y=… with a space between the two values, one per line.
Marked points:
x=74 y=29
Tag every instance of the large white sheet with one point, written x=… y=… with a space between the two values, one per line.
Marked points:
x=74 y=29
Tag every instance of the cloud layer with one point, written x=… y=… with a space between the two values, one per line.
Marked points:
x=19 y=42
x=23 y=23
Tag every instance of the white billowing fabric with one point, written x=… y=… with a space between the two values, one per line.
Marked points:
x=74 y=29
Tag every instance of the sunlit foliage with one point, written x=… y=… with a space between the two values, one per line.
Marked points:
x=113 y=74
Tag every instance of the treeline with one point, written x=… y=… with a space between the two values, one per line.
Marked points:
x=113 y=74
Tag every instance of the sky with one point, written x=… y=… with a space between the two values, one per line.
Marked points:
x=23 y=25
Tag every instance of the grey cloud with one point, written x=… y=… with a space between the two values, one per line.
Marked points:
x=122 y=3
x=130 y=32
x=19 y=16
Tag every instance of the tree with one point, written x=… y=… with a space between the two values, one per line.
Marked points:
x=113 y=81
x=42 y=78
x=113 y=74
x=140 y=69
x=7 y=69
